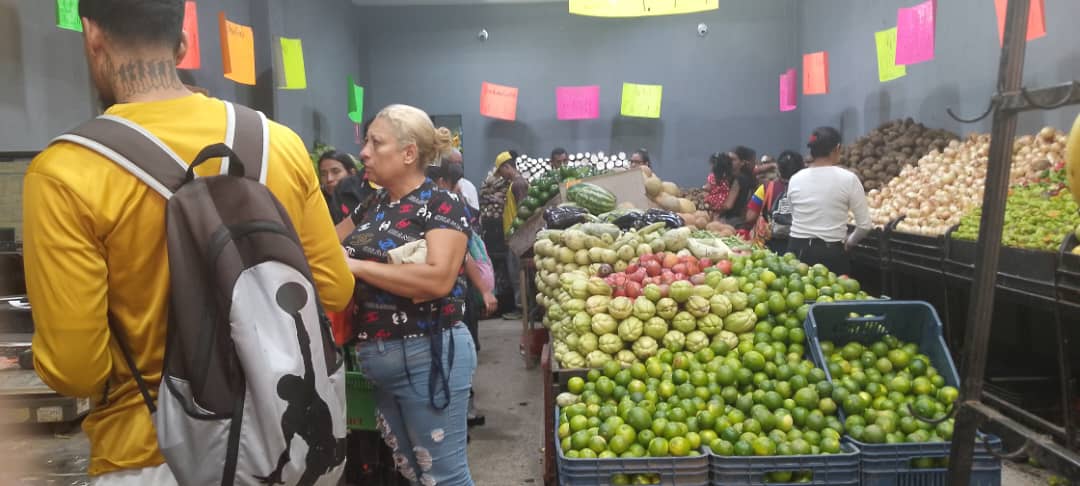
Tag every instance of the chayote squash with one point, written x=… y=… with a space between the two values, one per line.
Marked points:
x=573 y=341
x=697 y=306
x=652 y=292
x=727 y=337
x=573 y=359
x=644 y=309
x=630 y=329
x=555 y=312
x=738 y=300
x=645 y=348
x=573 y=306
x=609 y=343
x=620 y=308
x=597 y=359
x=681 y=291
x=604 y=324
x=684 y=322
x=597 y=286
x=740 y=322
x=674 y=341
x=581 y=323
x=579 y=289
x=710 y=324
x=587 y=343
x=656 y=327
x=696 y=341
x=728 y=284
x=704 y=291
x=719 y=305
x=597 y=304
x=626 y=357
x=666 y=308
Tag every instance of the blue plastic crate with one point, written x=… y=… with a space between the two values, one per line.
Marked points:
x=914 y=322
x=673 y=471
x=827 y=469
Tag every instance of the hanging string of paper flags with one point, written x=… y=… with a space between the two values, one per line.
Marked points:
x=911 y=42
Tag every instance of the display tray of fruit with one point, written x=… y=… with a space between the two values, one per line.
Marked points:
x=893 y=379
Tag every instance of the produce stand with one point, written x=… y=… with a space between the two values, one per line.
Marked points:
x=1011 y=100
x=628 y=186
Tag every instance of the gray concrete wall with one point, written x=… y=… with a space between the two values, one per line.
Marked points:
x=962 y=75
x=719 y=91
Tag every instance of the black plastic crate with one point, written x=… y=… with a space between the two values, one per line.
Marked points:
x=872 y=249
x=826 y=469
x=1068 y=273
x=919 y=253
x=673 y=471
x=1026 y=273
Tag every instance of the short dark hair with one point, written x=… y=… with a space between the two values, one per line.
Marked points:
x=453 y=173
x=341 y=157
x=745 y=153
x=789 y=163
x=135 y=22
x=434 y=172
x=823 y=141
x=558 y=151
x=644 y=155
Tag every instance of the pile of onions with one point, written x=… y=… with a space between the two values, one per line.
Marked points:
x=946 y=184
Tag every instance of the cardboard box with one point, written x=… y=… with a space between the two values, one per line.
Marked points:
x=521 y=242
x=628 y=186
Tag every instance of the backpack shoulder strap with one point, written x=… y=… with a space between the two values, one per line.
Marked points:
x=133 y=149
x=248 y=134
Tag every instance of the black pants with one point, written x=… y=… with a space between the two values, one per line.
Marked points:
x=812 y=251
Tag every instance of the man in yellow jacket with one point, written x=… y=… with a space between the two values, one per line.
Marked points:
x=506 y=167
x=94 y=235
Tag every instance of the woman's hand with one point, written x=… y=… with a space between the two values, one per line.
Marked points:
x=491 y=304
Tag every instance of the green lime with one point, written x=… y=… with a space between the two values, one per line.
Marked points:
x=658 y=447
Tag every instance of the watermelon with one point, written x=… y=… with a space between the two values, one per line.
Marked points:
x=591 y=197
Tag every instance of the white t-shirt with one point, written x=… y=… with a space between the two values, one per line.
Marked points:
x=821 y=198
x=468 y=191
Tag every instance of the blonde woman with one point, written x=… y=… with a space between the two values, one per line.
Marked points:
x=412 y=344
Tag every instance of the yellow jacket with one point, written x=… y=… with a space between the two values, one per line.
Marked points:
x=94 y=243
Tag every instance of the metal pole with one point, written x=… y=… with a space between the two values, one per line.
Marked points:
x=981 y=306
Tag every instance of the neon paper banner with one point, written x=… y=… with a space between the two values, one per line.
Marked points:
x=577 y=102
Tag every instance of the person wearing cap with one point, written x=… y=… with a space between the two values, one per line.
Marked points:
x=822 y=195
x=506 y=168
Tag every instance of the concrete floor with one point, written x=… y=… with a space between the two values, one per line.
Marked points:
x=504 y=452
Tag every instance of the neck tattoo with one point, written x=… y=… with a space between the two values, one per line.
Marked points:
x=135 y=77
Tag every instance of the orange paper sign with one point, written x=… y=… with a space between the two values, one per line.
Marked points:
x=498 y=101
x=237 y=51
x=192 y=59
x=1036 y=19
x=815 y=68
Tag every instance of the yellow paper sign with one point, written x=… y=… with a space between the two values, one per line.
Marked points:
x=641 y=100
x=292 y=65
x=640 y=8
x=888 y=70
x=237 y=51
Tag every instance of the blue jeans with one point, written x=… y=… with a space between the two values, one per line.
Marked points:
x=428 y=444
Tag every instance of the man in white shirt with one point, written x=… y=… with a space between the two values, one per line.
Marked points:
x=822 y=197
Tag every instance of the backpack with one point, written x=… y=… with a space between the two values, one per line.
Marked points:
x=780 y=215
x=253 y=386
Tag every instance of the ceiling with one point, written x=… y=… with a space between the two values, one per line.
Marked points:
x=402 y=3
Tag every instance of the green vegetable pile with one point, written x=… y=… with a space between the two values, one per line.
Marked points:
x=1038 y=216
x=545 y=187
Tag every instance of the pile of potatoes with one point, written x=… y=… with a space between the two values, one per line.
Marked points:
x=882 y=154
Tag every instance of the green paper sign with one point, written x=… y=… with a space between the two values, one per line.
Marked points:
x=67 y=15
x=292 y=64
x=888 y=70
x=356 y=102
x=641 y=100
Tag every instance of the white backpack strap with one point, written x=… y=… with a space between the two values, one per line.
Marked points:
x=133 y=149
x=249 y=136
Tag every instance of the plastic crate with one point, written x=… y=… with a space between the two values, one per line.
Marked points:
x=827 y=469
x=910 y=321
x=914 y=322
x=917 y=252
x=673 y=471
x=359 y=402
x=891 y=464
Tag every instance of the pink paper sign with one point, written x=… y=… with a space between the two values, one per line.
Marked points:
x=915 y=33
x=787 y=90
x=577 y=102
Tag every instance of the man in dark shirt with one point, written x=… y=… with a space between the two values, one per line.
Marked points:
x=559 y=158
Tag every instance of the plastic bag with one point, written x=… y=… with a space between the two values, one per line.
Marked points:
x=669 y=218
x=564 y=217
x=631 y=220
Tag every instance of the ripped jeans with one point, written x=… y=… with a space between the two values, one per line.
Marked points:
x=429 y=444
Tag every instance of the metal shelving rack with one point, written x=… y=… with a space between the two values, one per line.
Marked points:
x=1012 y=98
